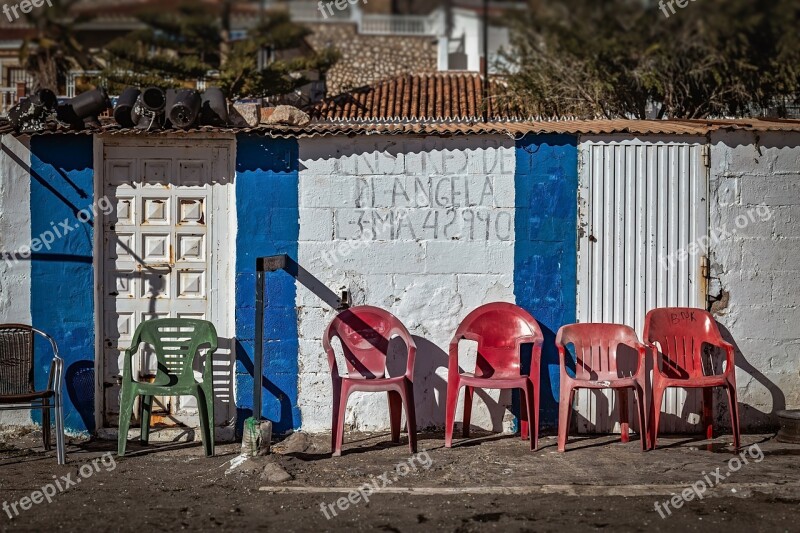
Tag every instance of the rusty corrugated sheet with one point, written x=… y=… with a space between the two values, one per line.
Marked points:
x=515 y=129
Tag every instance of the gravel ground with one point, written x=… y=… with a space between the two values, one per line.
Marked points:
x=489 y=482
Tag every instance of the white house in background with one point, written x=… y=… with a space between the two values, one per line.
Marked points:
x=459 y=30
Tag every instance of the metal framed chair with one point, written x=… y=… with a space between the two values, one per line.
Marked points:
x=17 y=380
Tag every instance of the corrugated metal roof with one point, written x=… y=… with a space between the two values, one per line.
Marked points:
x=511 y=128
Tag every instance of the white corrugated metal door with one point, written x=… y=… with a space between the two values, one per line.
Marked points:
x=643 y=209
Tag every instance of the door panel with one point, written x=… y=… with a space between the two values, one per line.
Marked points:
x=159 y=262
x=641 y=203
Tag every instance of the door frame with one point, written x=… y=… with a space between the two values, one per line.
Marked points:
x=697 y=278
x=222 y=305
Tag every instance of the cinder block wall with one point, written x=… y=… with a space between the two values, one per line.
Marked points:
x=430 y=228
x=755 y=267
x=15 y=232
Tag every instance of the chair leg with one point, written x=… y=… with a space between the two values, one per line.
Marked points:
x=734 y=409
x=125 y=413
x=46 y=423
x=206 y=420
x=527 y=395
x=60 y=444
x=644 y=434
x=655 y=412
x=524 y=415
x=624 y=426
x=212 y=433
x=708 y=412
x=453 y=388
x=339 y=409
x=564 y=414
x=535 y=414
x=469 y=393
x=411 y=415
x=147 y=409
x=395 y=414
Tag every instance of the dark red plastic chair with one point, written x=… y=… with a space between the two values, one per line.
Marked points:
x=680 y=334
x=499 y=329
x=365 y=333
x=601 y=363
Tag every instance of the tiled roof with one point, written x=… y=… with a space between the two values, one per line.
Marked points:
x=445 y=96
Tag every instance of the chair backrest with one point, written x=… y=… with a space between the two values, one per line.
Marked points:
x=501 y=326
x=602 y=351
x=176 y=342
x=680 y=333
x=365 y=333
x=16 y=359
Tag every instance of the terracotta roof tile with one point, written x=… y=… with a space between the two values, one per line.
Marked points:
x=444 y=96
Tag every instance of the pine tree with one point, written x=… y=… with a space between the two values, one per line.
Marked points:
x=54 y=50
x=283 y=41
x=174 y=50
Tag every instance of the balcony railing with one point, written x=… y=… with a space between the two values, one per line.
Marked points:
x=8 y=97
x=309 y=11
x=397 y=25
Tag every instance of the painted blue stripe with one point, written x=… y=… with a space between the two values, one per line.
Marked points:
x=62 y=275
x=267 y=175
x=545 y=251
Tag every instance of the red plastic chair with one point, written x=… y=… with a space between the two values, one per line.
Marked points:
x=499 y=329
x=681 y=333
x=365 y=333
x=600 y=364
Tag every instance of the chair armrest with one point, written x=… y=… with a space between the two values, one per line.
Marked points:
x=208 y=366
x=730 y=354
x=642 y=350
x=56 y=371
x=412 y=356
x=562 y=359
x=56 y=365
x=452 y=365
x=656 y=354
x=326 y=345
x=467 y=336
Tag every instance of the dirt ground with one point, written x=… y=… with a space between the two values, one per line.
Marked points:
x=489 y=482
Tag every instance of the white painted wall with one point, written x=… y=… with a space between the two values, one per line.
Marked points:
x=429 y=269
x=758 y=266
x=15 y=231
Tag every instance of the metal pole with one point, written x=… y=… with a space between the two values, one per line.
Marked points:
x=258 y=363
x=485 y=60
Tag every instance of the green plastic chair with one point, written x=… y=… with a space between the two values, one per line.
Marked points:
x=176 y=342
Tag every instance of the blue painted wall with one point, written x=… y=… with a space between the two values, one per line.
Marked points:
x=62 y=278
x=545 y=252
x=268 y=218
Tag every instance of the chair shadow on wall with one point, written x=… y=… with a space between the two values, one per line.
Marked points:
x=79 y=381
x=749 y=416
x=430 y=390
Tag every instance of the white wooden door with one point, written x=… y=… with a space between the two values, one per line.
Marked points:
x=163 y=255
x=643 y=202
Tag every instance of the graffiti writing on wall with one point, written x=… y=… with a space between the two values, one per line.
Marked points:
x=428 y=208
